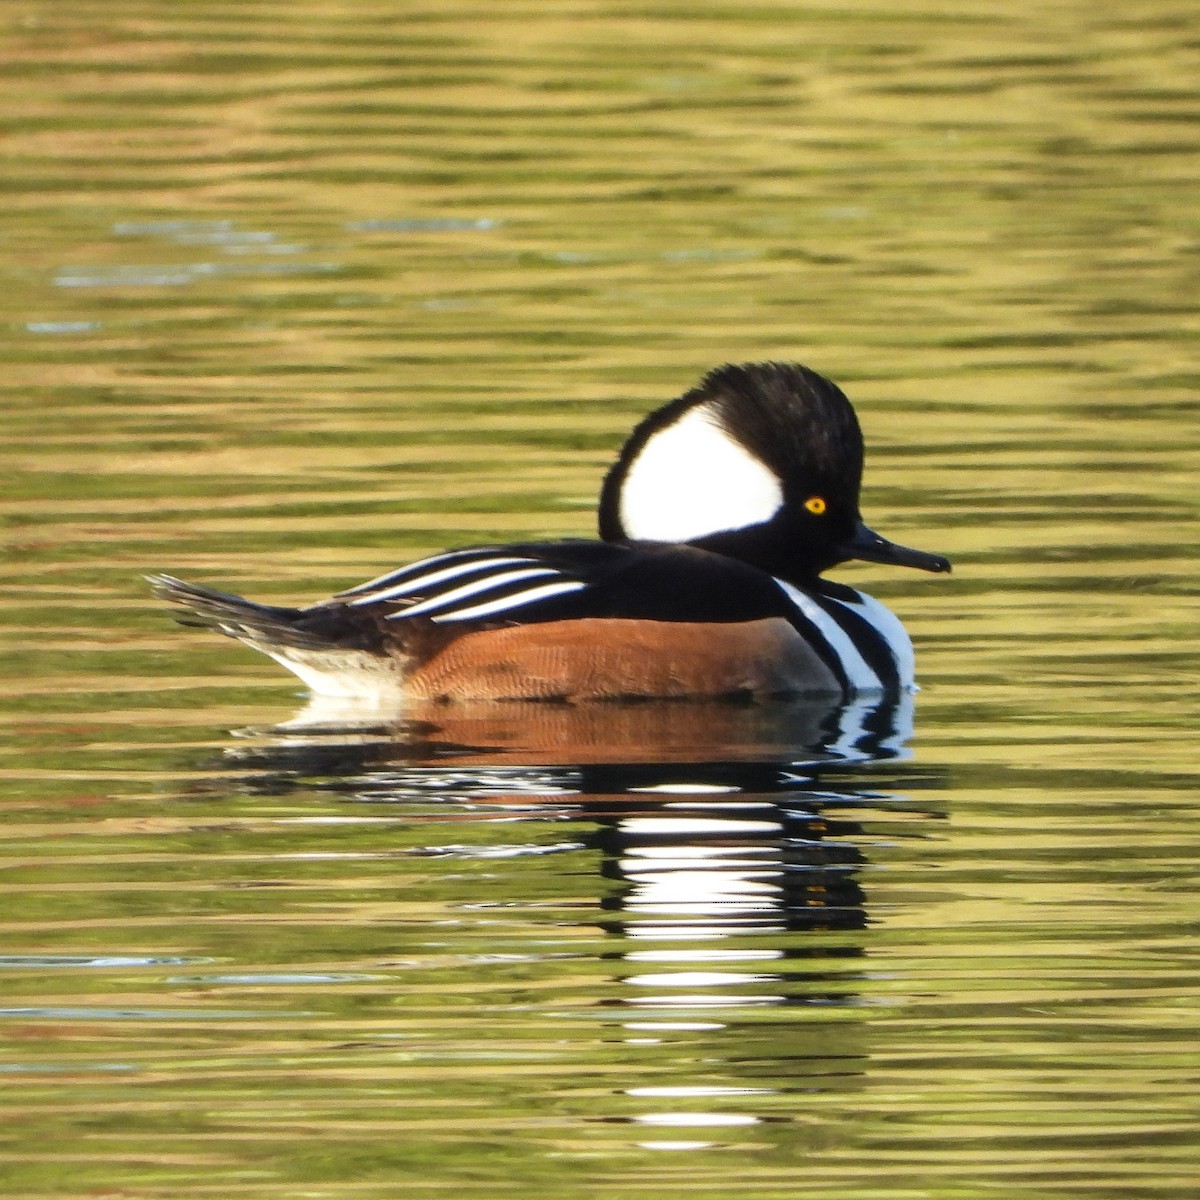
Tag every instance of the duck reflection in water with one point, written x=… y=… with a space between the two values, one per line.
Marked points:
x=729 y=842
x=715 y=818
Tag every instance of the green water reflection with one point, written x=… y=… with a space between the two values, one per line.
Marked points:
x=293 y=294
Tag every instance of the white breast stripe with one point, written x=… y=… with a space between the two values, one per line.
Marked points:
x=417 y=582
x=853 y=736
x=487 y=584
x=399 y=574
x=888 y=626
x=859 y=676
x=503 y=603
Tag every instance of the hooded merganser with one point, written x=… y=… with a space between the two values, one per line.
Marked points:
x=716 y=521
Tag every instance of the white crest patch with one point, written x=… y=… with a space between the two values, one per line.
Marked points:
x=691 y=479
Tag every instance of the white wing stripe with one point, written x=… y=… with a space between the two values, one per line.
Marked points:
x=517 y=600
x=399 y=574
x=487 y=584
x=859 y=676
x=429 y=578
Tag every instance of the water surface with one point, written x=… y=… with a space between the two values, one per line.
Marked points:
x=294 y=293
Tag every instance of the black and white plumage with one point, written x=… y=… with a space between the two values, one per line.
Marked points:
x=716 y=520
x=466 y=585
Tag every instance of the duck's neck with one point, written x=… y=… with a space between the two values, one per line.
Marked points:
x=761 y=547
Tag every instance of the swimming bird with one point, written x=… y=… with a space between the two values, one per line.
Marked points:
x=716 y=522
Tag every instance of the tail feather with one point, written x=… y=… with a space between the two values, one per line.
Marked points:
x=265 y=624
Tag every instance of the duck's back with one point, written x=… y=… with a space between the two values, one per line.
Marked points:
x=572 y=621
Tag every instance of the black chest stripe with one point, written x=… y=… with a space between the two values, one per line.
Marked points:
x=811 y=633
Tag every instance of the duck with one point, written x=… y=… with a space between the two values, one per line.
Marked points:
x=717 y=521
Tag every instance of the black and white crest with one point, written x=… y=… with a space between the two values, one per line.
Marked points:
x=729 y=455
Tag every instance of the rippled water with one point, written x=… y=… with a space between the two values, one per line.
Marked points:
x=294 y=293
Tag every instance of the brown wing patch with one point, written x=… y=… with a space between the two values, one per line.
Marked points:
x=607 y=659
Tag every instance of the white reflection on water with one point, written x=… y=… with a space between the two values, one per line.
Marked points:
x=694 y=979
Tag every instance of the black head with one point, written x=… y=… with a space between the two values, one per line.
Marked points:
x=762 y=462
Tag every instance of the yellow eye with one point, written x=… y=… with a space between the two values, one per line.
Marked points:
x=816 y=505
